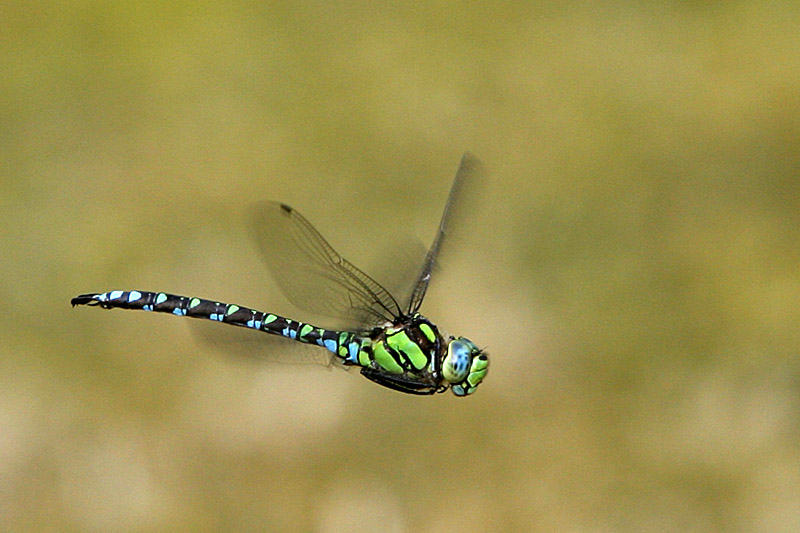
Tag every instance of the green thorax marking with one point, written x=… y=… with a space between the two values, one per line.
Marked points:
x=400 y=342
x=410 y=346
x=385 y=359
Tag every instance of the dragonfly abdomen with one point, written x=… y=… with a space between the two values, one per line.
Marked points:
x=345 y=345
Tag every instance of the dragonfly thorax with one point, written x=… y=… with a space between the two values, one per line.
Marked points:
x=410 y=352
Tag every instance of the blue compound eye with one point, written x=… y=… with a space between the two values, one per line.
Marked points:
x=455 y=366
x=465 y=366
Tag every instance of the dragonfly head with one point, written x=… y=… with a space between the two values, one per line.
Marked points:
x=464 y=366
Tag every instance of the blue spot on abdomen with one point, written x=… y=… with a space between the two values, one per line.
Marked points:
x=330 y=345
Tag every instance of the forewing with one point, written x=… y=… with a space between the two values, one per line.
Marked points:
x=468 y=177
x=312 y=275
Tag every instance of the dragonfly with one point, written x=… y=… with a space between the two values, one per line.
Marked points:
x=391 y=342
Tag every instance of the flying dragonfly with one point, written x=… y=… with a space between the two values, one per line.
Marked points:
x=391 y=342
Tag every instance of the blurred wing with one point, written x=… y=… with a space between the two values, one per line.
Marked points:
x=467 y=177
x=312 y=275
x=247 y=344
x=398 y=266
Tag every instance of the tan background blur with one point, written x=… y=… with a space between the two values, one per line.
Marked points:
x=632 y=266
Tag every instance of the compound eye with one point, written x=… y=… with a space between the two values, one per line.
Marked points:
x=455 y=366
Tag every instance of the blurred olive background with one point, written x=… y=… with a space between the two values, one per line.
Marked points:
x=631 y=264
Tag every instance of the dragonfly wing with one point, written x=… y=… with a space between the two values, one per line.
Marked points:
x=246 y=344
x=456 y=209
x=397 y=266
x=312 y=275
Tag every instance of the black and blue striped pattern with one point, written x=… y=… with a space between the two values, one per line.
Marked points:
x=235 y=315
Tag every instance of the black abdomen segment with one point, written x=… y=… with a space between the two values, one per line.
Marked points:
x=233 y=314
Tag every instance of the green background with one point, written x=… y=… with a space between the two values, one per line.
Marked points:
x=631 y=264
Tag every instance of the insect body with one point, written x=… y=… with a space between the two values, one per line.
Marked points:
x=394 y=346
